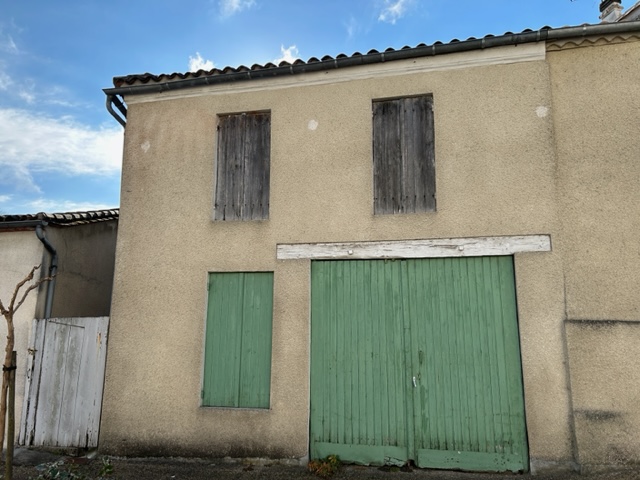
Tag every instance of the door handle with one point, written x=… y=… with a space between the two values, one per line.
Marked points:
x=414 y=382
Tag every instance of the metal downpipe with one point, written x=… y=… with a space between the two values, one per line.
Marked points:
x=53 y=269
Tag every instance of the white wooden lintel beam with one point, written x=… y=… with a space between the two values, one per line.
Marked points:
x=428 y=248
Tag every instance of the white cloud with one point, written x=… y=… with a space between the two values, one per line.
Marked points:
x=352 y=28
x=231 y=7
x=33 y=143
x=393 y=10
x=27 y=91
x=198 y=63
x=5 y=81
x=28 y=97
x=288 y=55
x=5 y=198
x=8 y=45
x=19 y=178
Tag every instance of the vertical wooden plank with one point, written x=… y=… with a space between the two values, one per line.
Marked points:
x=66 y=432
x=467 y=333
x=494 y=360
x=476 y=314
x=409 y=163
x=386 y=345
x=316 y=365
x=92 y=381
x=84 y=425
x=32 y=386
x=222 y=169
x=513 y=379
x=237 y=155
x=51 y=385
x=405 y=374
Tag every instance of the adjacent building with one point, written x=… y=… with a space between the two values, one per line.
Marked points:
x=77 y=250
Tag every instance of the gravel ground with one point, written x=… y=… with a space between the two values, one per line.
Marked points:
x=183 y=469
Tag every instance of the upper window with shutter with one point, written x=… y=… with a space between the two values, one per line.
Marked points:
x=242 y=170
x=404 y=155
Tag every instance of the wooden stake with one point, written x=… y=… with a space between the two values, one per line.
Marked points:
x=11 y=413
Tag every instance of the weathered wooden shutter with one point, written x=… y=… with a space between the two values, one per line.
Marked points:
x=242 y=172
x=404 y=155
x=237 y=370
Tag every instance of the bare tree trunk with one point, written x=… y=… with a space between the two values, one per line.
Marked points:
x=6 y=370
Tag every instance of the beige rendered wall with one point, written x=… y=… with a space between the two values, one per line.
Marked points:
x=20 y=251
x=603 y=357
x=495 y=167
x=86 y=258
x=596 y=105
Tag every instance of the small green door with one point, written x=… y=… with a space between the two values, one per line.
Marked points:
x=417 y=360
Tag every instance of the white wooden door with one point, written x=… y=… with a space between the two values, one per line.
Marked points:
x=65 y=378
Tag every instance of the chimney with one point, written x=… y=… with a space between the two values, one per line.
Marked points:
x=610 y=10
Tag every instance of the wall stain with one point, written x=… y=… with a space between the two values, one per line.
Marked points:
x=598 y=415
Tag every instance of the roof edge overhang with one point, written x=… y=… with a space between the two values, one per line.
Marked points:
x=544 y=34
x=31 y=221
x=154 y=84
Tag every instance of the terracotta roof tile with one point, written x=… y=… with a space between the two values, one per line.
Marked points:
x=144 y=78
x=65 y=218
x=127 y=84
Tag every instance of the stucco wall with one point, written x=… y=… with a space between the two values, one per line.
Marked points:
x=86 y=258
x=495 y=170
x=19 y=252
x=605 y=373
x=596 y=100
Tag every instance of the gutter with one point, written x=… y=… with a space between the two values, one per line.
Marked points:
x=20 y=224
x=438 y=48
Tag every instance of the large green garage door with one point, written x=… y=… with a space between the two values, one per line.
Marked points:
x=417 y=360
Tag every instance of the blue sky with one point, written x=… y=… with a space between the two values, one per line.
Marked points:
x=61 y=151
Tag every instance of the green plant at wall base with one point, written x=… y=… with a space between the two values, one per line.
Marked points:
x=58 y=471
x=106 y=469
x=325 y=467
x=61 y=470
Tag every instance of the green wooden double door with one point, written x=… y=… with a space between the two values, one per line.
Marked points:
x=417 y=360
